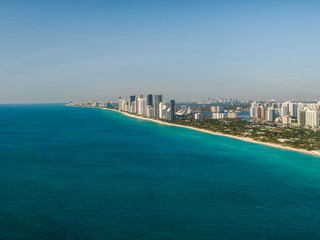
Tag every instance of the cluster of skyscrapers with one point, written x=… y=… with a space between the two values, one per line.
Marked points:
x=288 y=113
x=304 y=114
x=149 y=106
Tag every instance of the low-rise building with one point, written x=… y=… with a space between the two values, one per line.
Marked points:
x=197 y=116
x=232 y=115
x=219 y=115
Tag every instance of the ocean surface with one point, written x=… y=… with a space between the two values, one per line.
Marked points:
x=84 y=173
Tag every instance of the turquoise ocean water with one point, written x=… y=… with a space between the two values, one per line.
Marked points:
x=82 y=173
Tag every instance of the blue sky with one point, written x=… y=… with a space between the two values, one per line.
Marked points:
x=53 y=51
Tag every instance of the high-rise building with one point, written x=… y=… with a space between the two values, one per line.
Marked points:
x=270 y=114
x=253 y=111
x=149 y=100
x=312 y=118
x=124 y=105
x=301 y=106
x=150 y=111
x=131 y=104
x=120 y=101
x=263 y=113
x=302 y=118
x=132 y=99
x=137 y=104
x=216 y=109
x=145 y=107
x=293 y=109
x=284 y=110
x=258 y=112
x=277 y=112
x=157 y=101
x=167 y=114
x=162 y=110
x=172 y=110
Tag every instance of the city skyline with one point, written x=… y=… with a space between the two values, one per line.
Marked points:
x=298 y=113
x=57 y=51
x=278 y=122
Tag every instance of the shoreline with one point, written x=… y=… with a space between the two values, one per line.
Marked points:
x=245 y=139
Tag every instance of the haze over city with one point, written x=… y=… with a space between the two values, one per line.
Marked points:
x=54 y=51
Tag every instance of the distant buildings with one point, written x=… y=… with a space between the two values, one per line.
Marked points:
x=291 y=113
x=293 y=109
x=304 y=114
x=302 y=118
x=136 y=103
x=197 y=116
x=157 y=101
x=162 y=110
x=123 y=104
x=172 y=110
x=258 y=112
x=150 y=111
x=286 y=119
x=300 y=113
x=284 y=109
x=218 y=115
x=232 y=115
x=149 y=100
x=142 y=106
x=253 y=111
x=146 y=107
x=270 y=114
x=312 y=118
x=216 y=109
x=131 y=104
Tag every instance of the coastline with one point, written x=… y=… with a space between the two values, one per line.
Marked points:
x=246 y=139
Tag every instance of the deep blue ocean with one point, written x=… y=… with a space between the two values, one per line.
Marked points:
x=84 y=173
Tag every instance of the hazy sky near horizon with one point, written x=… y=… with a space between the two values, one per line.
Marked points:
x=54 y=51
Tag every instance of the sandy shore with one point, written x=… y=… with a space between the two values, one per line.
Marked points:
x=246 y=139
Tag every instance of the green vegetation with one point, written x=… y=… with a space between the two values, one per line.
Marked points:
x=295 y=137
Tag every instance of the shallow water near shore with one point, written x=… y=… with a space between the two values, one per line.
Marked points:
x=84 y=173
